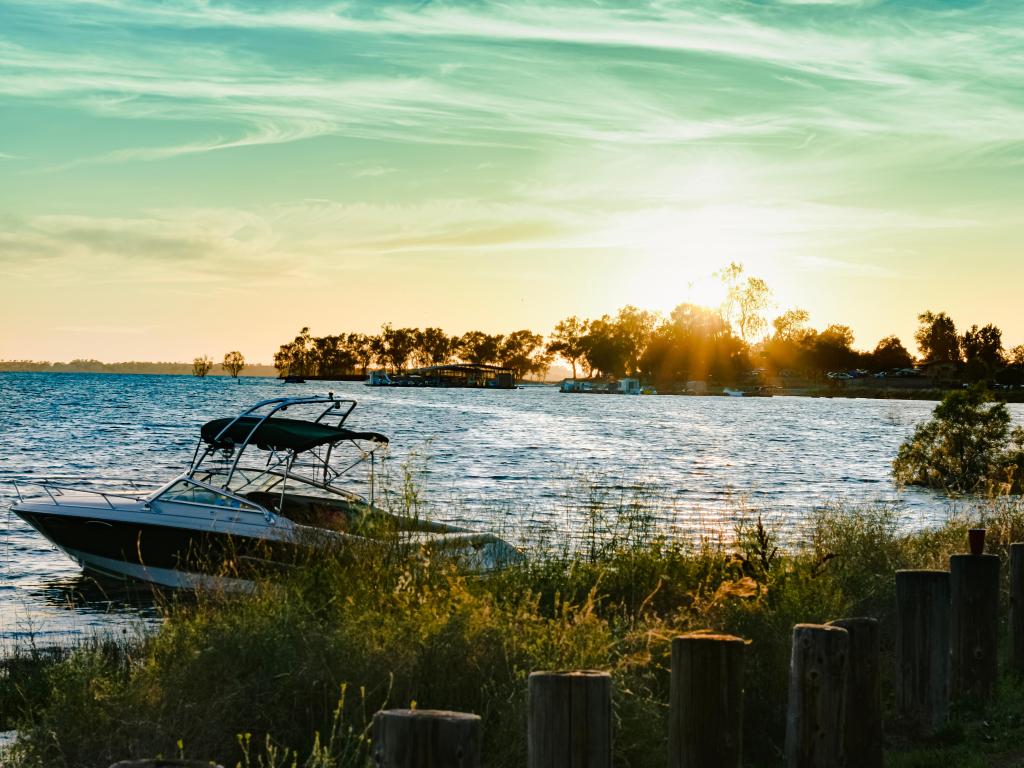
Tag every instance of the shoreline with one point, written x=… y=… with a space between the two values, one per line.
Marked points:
x=822 y=392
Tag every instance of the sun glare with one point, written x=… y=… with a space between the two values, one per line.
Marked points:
x=677 y=255
x=661 y=282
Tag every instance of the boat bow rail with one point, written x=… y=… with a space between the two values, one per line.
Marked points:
x=56 y=489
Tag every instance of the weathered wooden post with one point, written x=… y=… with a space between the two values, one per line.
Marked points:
x=706 y=713
x=1017 y=608
x=425 y=738
x=863 y=739
x=570 y=720
x=815 y=722
x=922 y=648
x=974 y=591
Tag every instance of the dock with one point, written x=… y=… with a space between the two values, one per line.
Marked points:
x=462 y=375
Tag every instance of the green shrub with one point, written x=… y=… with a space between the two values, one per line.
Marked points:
x=966 y=447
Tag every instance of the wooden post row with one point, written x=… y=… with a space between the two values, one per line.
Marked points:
x=1017 y=608
x=425 y=738
x=569 y=720
x=706 y=709
x=974 y=631
x=815 y=721
x=922 y=648
x=863 y=737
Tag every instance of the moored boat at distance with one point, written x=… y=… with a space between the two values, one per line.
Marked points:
x=262 y=492
x=759 y=391
x=625 y=386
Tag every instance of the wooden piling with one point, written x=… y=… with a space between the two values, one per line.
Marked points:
x=922 y=648
x=570 y=720
x=817 y=697
x=974 y=592
x=1017 y=609
x=425 y=738
x=863 y=739
x=706 y=711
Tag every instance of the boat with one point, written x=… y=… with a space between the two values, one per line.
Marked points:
x=263 y=492
x=760 y=391
x=379 y=379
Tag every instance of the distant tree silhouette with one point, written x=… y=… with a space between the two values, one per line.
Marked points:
x=479 y=348
x=518 y=352
x=201 y=366
x=937 y=338
x=832 y=349
x=432 y=347
x=694 y=343
x=568 y=341
x=606 y=350
x=791 y=325
x=233 y=363
x=332 y=356
x=297 y=357
x=890 y=354
x=983 y=351
x=361 y=347
x=745 y=301
x=634 y=329
x=394 y=345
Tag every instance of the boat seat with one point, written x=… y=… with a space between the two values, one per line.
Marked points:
x=308 y=510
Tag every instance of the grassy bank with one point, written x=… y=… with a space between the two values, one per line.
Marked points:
x=295 y=671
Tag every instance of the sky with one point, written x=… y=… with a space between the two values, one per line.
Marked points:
x=187 y=177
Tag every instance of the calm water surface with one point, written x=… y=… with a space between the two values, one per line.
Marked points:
x=519 y=461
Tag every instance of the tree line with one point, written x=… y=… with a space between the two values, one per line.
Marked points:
x=397 y=349
x=722 y=344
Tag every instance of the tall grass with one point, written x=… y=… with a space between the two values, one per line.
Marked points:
x=292 y=674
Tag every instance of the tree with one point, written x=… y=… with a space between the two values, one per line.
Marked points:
x=832 y=349
x=965 y=447
x=695 y=343
x=479 y=348
x=606 y=350
x=983 y=351
x=361 y=347
x=937 y=338
x=890 y=354
x=518 y=352
x=791 y=325
x=332 y=356
x=296 y=358
x=233 y=363
x=634 y=328
x=745 y=301
x=788 y=347
x=568 y=341
x=433 y=347
x=394 y=345
x=201 y=366
x=1016 y=355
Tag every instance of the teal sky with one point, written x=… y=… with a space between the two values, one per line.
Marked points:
x=180 y=178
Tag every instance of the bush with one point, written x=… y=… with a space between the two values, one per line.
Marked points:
x=966 y=447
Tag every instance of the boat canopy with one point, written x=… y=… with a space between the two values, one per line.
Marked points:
x=273 y=434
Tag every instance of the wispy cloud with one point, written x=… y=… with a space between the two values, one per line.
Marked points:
x=656 y=73
x=185 y=140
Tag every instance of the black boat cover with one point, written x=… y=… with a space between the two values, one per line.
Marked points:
x=279 y=434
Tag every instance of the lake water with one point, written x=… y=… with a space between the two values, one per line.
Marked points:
x=518 y=461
